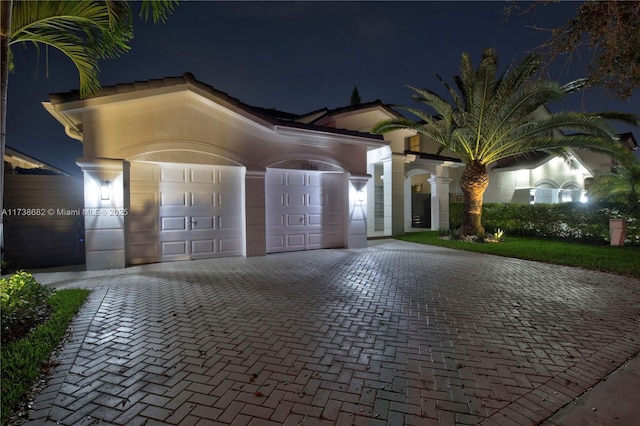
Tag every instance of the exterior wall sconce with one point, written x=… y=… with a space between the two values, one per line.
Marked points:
x=360 y=196
x=105 y=190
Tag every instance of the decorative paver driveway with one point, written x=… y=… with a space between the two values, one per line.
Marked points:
x=397 y=333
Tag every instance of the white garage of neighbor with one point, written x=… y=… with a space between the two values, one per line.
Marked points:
x=178 y=170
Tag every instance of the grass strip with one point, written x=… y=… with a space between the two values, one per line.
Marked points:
x=22 y=360
x=621 y=260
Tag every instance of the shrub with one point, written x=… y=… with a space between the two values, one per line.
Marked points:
x=587 y=223
x=23 y=305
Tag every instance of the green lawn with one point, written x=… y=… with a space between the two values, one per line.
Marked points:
x=622 y=260
x=23 y=359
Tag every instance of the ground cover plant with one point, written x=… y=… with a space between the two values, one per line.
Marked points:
x=622 y=260
x=35 y=318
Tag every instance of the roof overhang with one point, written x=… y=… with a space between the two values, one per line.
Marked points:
x=70 y=109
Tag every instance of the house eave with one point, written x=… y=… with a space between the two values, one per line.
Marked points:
x=325 y=137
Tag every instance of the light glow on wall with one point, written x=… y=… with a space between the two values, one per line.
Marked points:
x=105 y=190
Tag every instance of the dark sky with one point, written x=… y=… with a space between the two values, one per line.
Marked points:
x=295 y=56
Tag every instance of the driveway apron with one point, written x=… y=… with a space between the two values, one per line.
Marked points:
x=393 y=334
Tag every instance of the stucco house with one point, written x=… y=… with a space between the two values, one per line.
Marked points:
x=175 y=169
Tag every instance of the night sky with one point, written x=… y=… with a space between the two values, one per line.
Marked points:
x=297 y=57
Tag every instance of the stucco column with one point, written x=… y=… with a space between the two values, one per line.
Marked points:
x=440 y=199
x=106 y=202
x=408 y=222
x=255 y=213
x=394 y=195
x=371 y=200
x=357 y=219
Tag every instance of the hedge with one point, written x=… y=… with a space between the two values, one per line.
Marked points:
x=583 y=222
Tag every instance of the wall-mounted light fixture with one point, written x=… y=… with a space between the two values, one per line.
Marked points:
x=105 y=190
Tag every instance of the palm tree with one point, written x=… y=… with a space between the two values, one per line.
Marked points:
x=622 y=185
x=494 y=116
x=85 y=31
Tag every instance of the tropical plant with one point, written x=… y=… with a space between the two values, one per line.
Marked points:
x=622 y=185
x=84 y=31
x=494 y=116
x=498 y=236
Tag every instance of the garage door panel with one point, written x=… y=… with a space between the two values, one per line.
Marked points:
x=314 y=179
x=302 y=206
x=293 y=179
x=275 y=241
x=202 y=222
x=143 y=173
x=202 y=175
x=275 y=221
x=202 y=246
x=295 y=220
x=173 y=224
x=315 y=220
x=188 y=204
x=316 y=200
x=205 y=199
x=229 y=246
x=228 y=199
x=295 y=200
x=173 y=174
x=172 y=248
x=315 y=240
x=296 y=240
x=168 y=198
x=229 y=223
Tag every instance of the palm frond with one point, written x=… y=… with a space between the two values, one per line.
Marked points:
x=157 y=10
x=433 y=100
x=84 y=31
x=392 y=124
x=493 y=117
x=482 y=94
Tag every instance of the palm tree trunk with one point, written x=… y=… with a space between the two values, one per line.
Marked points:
x=5 y=32
x=474 y=181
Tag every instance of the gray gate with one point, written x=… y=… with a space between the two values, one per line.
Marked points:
x=43 y=221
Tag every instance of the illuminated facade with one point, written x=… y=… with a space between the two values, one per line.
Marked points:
x=175 y=169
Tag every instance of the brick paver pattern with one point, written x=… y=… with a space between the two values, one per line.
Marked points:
x=394 y=334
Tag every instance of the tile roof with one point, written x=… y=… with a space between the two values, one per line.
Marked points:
x=270 y=115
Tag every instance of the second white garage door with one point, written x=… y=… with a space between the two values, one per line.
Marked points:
x=305 y=210
x=185 y=211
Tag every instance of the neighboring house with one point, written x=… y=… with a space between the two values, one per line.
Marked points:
x=179 y=170
x=550 y=179
x=16 y=162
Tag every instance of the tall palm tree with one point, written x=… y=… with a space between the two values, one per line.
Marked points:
x=84 y=31
x=493 y=116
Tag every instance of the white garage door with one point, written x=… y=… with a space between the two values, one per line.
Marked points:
x=184 y=211
x=305 y=210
